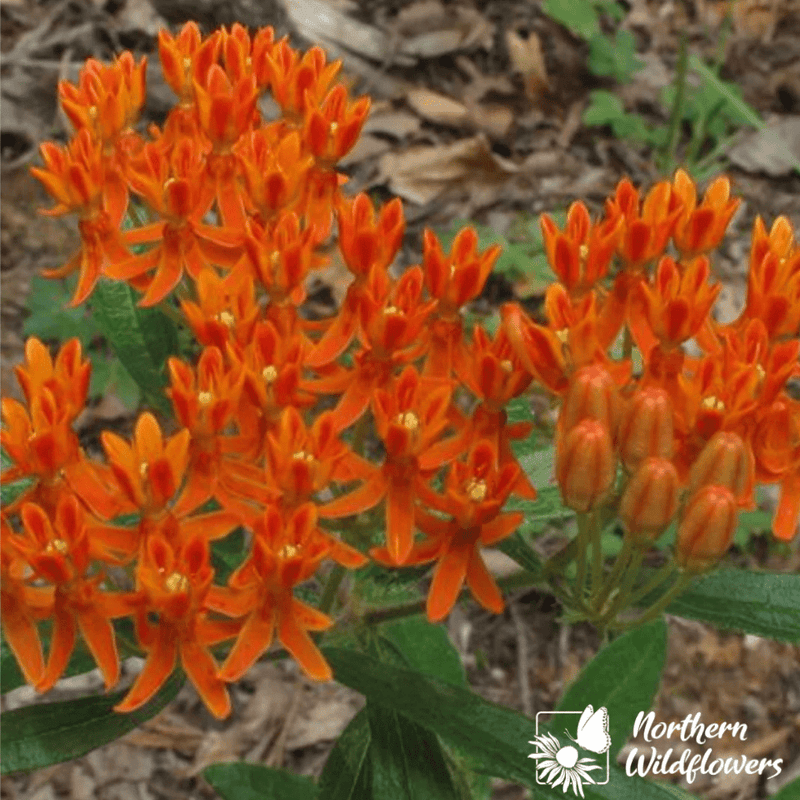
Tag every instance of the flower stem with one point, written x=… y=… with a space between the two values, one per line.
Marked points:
x=661 y=604
x=656 y=580
x=331 y=588
x=597 y=553
x=622 y=561
x=621 y=600
x=583 y=543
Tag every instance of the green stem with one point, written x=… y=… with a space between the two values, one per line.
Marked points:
x=583 y=543
x=661 y=604
x=627 y=343
x=331 y=588
x=597 y=553
x=676 y=112
x=656 y=580
x=621 y=600
x=623 y=558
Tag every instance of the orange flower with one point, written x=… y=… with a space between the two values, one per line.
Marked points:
x=60 y=553
x=646 y=228
x=226 y=310
x=701 y=228
x=410 y=420
x=475 y=492
x=174 y=189
x=676 y=306
x=273 y=167
x=21 y=605
x=79 y=179
x=391 y=325
x=285 y=552
x=148 y=471
x=581 y=254
x=173 y=581
x=333 y=127
x=647 y=428
x=107 y=99
x=187 y=58
x=367 y=246
x=302 y=461
x=650 y=500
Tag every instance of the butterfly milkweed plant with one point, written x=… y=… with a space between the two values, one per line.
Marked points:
x=299 y=481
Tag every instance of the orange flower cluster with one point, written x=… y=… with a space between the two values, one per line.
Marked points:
x=693 y=434
x=231 y=212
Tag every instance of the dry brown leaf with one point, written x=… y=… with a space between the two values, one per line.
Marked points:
x=420 y=174
x=437 y=107
x=429 y=29
x=775 y=149
x=527 y=59
x=391 y=122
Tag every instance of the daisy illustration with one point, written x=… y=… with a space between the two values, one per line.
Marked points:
x=561 y=765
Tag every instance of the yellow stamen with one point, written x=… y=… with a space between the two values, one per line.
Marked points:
x=392 y=310
x=563 y=335
x=289 y=551
x=226 y=318
x=57 y=546
x=301 y=455
x=176 y=582
x=409 y=420
x=583 y=252
x=334 y=127
x=144 y=468
x=476 y=490
x=713 y=403
x=506 y=365
x=269 y=373
x=761 y=372
x=204 y=398
x=92 y=111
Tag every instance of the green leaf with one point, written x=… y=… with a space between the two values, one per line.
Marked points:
x=496 y=738
x=11 y=677
x=243 y=781
x=425 y=647
x=406 y=760
x=579 y=16
x=763 y=604
x=51 y=317
x=624 y=677
x=789 y=792
x=347 y=774
x=142 y=338
x=49 y=733
x=9 y=492
x=614 y=57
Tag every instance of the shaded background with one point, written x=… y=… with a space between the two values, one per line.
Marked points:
x=477 y=114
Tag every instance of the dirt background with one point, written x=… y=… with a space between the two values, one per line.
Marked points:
x=477 y=114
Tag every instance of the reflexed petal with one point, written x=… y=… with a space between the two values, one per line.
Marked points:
x=483 y=586
x=62 y=643
x=254 y=639
x=305 y=652
x=98 y=633
x=448 y=579
x=201 y=670
x=157 y=668
x=23 y=639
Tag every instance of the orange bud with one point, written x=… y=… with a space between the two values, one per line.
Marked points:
x=646 y=428
x=650 y=500
x=707 y=528
x=592 y=394
x=725 y=461
x=585 y=465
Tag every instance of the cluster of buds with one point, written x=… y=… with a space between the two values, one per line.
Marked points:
x=225 y=214
x=692 y=436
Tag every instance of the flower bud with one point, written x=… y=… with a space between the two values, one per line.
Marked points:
x=592 y=394
x=585 y=465
x=725 y=461
x=650 y=500
x=646 y=428
x=707 y=528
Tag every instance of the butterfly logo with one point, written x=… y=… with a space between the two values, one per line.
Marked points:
x=593 y=730
x=560 y=765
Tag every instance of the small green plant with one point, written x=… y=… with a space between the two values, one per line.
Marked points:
x=52 y=319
